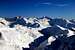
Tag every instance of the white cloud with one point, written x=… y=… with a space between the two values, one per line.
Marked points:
x=61 y=5
x=46 y=3
x=53 y=4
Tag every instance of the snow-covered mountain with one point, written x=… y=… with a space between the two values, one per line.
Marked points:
x=20 y=33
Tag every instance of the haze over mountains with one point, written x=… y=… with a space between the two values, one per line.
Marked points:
x=45 y=33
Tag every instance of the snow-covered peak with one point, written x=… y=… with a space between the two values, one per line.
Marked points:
x=34 y=32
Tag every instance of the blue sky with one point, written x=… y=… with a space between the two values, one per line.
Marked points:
x=63 y=8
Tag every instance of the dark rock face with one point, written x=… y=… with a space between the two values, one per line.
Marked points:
x=73 y=21
x=19 y=21
x=2 y=23
x=71 y=41
x=70 y=25
x=11 y=19
x=54 y=46
x=0 y=34
x=57 y=21
x=26 y=49
x=62 y=23
x=62 y=44
x=52 y=31
x=47 y=32
x=37 y=42
x=35 y=25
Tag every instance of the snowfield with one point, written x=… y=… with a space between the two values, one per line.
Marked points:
x=34 y=33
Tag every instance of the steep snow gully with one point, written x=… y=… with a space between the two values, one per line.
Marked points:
x=20 y=33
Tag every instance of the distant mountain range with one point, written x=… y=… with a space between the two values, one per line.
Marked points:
x=39 y=33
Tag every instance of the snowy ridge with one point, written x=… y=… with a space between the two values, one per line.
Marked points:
x=20 y=33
